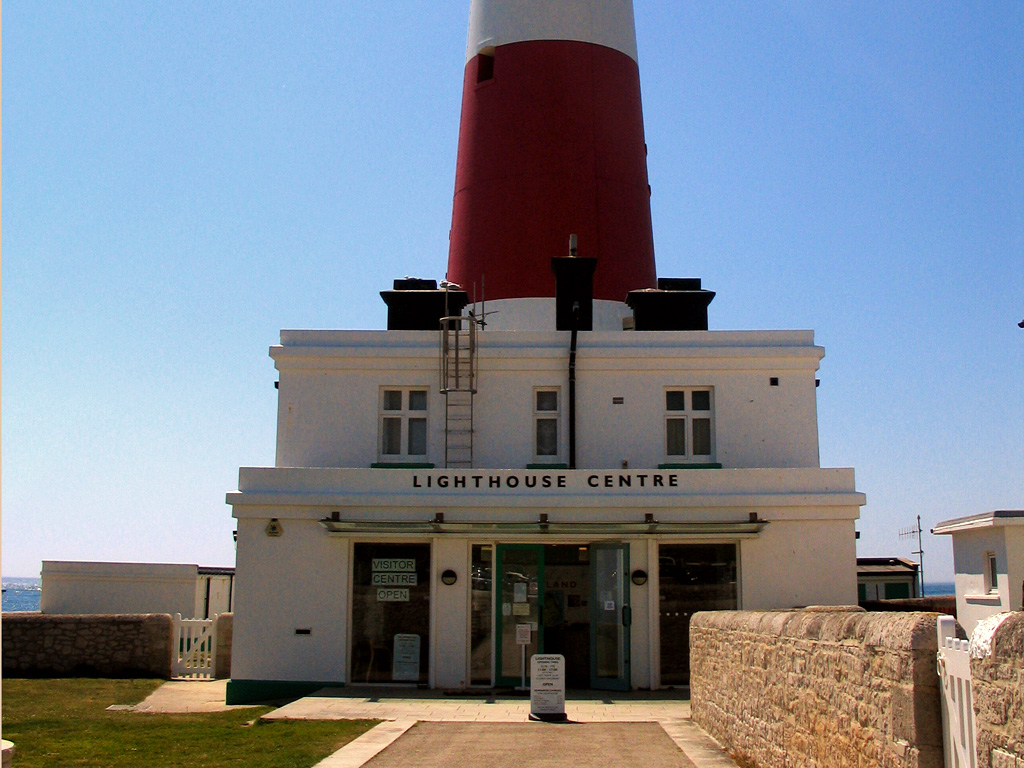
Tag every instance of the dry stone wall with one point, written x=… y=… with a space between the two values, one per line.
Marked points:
x=47 y=645
x=819 y=688
x=997 y=682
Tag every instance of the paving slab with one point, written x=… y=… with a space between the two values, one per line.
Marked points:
x=430 y=706
x=362 y=749
x=185 y=696
x=533 y=745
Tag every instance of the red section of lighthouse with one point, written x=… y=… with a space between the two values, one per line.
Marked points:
x=551 y=143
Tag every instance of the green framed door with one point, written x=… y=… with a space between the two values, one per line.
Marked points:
x=610 y=617
x=520 y=588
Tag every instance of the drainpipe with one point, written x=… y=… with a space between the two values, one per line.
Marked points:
x=572 y=384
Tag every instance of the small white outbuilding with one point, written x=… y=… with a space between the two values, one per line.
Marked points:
x=89 y=587
x=988 y=562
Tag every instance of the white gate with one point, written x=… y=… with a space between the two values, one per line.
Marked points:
x=195 y=645
x=958 y=734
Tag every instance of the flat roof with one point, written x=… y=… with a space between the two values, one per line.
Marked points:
x=997 y=517
x=867 y=566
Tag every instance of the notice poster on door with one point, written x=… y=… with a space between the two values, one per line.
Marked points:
x=547 y=686
x=405 y=661
x=524 y=634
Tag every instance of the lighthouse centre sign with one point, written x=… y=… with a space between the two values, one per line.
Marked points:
x=534 y=480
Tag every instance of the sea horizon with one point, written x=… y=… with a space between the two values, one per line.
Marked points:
x=22 y=593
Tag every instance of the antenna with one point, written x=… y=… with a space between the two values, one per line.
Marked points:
x=910 y=533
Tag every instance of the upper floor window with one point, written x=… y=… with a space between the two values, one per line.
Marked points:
x=689 y=432
x=403 y=423
x=991 y=572
x=545 y=424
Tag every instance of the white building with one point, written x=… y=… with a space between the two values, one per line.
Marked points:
x=988 y=564
x=199 y=592
x=574 y=468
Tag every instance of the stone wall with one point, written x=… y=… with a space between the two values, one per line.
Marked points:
x=997 y=680
x=42 y=645
x=933 y=603
x=819 y=688
x=222 y=659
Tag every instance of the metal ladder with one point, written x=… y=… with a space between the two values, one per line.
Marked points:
x=458 y=385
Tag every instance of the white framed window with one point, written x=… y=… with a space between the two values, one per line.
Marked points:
x=991 y=573
x=547 y=404
x=403 y=423
x=689 y=425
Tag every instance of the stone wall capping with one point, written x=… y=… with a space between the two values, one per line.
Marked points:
x=997 y=672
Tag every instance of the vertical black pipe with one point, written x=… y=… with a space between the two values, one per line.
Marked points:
x=572 y=385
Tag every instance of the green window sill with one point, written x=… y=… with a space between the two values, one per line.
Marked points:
x=402 y=465
x=547 y=466
x=708 y=465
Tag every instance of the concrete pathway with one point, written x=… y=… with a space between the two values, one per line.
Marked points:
x=433 y=730
x=184 y=696
x=434 y=706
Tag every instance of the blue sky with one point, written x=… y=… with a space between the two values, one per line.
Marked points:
x=182 y=180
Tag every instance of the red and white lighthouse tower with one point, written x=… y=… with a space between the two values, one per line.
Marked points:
x=551 y=143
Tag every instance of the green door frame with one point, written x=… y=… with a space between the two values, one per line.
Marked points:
x=499 y=557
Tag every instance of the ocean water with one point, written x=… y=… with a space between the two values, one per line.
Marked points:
x=939 y=588
x=21 y=594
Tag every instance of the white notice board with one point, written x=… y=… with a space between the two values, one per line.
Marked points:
x=405 y=661
x=547 y=686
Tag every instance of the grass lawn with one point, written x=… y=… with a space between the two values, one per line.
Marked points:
x=64 y=722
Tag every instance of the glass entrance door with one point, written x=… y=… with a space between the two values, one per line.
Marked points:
x=520 y=574
x=610 y=617
x=525 y=604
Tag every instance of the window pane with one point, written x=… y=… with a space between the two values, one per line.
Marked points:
x=675 y=401
x=392 y=399
x=547 y=437
x=391 y=436
x=480 y=626
x=417 y=437
x=692 y=577
x=702 y=400
x=676 y=434
x=417 y=400
x=547 y=401
x=701 y=437
x=387 y=620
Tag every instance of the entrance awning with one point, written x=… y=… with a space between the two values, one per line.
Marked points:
x=738 y=529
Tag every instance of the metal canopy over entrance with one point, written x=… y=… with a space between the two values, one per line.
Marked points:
x=744 y=529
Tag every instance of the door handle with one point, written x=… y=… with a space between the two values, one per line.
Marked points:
x=627 y=616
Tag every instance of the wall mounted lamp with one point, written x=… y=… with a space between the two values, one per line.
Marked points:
x=639 y=577
x=449 y=577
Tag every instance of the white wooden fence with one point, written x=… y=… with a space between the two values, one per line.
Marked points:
x=958 y=731
x=195 y=645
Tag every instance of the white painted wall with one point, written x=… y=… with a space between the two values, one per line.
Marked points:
x=328 y=413
x=297 y=580
x=449 y=608
x=794 y=563
x=89 y=587
x=640 y=605
x=603 y=22
x=973 y=601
